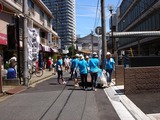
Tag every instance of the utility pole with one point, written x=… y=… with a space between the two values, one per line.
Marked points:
x=104 y=46
x=1 y=83
x=25 y=39
x=92 y=41
x=18 y=47
x=111 y=9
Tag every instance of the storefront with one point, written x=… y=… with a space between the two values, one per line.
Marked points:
x=45 y=52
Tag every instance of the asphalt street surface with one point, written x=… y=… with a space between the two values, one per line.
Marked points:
x=51 y=101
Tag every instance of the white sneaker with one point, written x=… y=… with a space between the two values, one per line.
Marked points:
x=64 y=82
x=76 y=85
x=94 y=89
x=105 y=85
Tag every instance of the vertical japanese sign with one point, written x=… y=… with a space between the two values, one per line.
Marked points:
x=11 y=37
x=33 y=44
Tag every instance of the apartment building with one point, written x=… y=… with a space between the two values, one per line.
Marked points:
x=64 y=19
x=39 y=17
x=139 y=15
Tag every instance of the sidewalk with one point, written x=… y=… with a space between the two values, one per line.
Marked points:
x=140 y=106
x=7 y=89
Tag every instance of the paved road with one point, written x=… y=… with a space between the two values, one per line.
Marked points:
x=51 y=101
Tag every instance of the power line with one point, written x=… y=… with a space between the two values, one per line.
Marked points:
x=96 y=15
x=86 y=6
x=117 y=5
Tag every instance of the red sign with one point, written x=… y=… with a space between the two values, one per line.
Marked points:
x=3 y=39
x=1 y=7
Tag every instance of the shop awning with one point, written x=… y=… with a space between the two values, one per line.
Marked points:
x=54 y=50
x=44 y=48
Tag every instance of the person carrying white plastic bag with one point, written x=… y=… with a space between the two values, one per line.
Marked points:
x=102 y=78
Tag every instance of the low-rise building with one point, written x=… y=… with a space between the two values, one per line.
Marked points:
x=39 y=17
x=89 y=44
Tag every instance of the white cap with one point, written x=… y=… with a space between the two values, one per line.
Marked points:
x=87 y=57
x=108 y=53
x=77 y=55
x=94 y=53
x=81 y=56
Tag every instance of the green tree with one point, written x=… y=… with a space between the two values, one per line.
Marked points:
x=71 y=50
x=55 y=57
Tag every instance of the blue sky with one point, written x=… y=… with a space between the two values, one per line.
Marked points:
x=86 y=17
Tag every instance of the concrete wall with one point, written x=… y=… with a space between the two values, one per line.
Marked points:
x=142 y=79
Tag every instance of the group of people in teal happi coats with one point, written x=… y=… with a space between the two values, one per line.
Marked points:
x=82 y=66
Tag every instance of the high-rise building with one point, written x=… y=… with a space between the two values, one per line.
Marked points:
x=64 y=20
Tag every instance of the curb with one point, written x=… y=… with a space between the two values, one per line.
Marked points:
x=131 y=107
x=121 y=110
x=2 y=94
x=16 y=90
x=30 y=83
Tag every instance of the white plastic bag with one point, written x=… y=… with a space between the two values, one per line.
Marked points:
x=103 y=79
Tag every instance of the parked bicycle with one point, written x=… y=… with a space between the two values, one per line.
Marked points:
x=21 y=74
x=36 y=70
x=33 y=70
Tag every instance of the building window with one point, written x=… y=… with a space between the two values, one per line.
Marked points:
x=18 y=1
x=30 y=4
x=48 y=21
x=41 y=15
x=95 y=44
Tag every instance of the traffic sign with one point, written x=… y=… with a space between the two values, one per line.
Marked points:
x=98 y=30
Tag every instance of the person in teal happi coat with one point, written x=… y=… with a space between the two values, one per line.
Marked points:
x=94 y=68
x=109 y=67
x=82 y=66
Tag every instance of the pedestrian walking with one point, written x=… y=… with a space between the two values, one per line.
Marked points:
x=67 y=63
x=87 y=58
x=82 y=66
x=54 y=67
x=49 y=63
x=75 y=71
x=109 y=66
x=71 y=67
x=94 y=68
x=59 y=69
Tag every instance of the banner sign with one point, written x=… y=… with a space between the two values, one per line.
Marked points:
x=33 y=44
x=3 y=39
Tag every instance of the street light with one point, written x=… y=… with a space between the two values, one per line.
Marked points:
x=111 y=9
